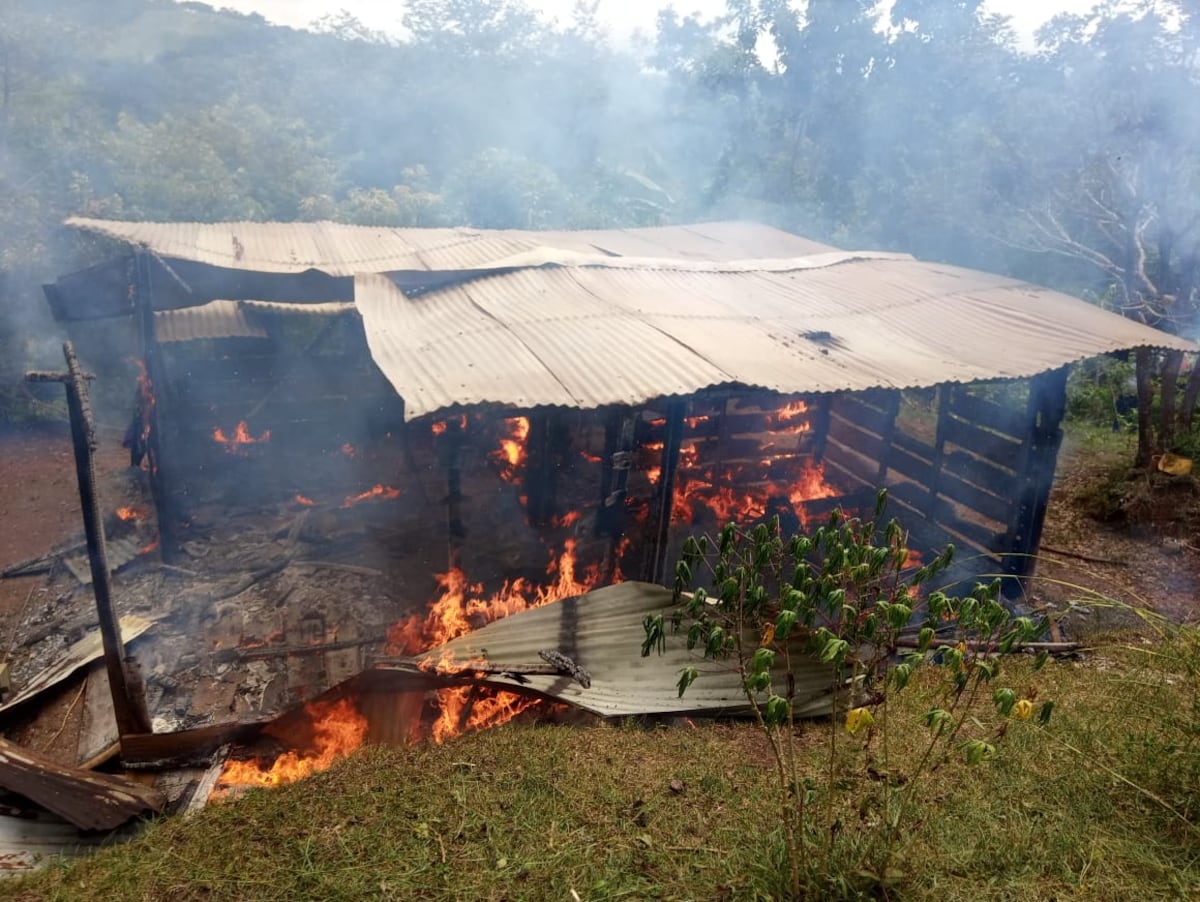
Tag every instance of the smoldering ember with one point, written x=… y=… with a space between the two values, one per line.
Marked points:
x=393 y=484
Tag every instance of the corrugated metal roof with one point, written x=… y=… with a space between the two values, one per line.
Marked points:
x=601 y=631
x=587 y=336
x=228 y=319
x=216 y=319
x=343 y=250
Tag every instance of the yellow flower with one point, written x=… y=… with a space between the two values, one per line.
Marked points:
x=858 y=719
x=1023 y=709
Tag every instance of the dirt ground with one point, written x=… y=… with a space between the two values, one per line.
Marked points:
x=39 y=501
x=1135 y=540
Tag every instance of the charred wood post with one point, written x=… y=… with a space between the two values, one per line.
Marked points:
x=129 y=705
x=151 y=395
x=666 y=489
x=891 y=409
x=1035 y=475
x=451 y=442
x=614 y=486
x=939 y=452
x=546 y=446
x=822 y=412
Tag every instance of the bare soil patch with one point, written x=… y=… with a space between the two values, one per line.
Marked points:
x=1130 y=537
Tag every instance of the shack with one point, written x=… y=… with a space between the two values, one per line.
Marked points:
x=614 y=389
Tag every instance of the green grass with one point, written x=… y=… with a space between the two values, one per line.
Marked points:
x=1102 y=804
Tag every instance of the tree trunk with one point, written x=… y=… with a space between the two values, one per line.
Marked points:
x=1191 y=396
x=1144 y=373
x=1168 y=414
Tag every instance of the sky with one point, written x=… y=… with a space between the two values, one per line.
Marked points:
x=622 y=17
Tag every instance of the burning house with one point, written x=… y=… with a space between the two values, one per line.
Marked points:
x=532 y=415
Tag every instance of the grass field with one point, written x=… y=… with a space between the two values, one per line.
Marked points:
x=1103 y=803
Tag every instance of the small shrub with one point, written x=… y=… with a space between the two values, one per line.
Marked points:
x=845 y=594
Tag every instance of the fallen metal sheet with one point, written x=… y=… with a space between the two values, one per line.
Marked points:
x=120 y=552
x=34 y=840
x=82 y=653
x=89 y=800
x=602 y=633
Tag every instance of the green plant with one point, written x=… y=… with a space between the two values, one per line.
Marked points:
x=846 y=593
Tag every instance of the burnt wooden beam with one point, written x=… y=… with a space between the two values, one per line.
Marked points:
x=666 y=488
x=451 y=447
x=90 y=801
x=157 y=751
x=153 y=393
x=619 y=430
x=546 y=447
x=1035 y=470
x=129 y=706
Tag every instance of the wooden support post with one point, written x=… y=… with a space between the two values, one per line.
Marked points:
x=939 y=452
x=666 y=488
x=154 y=391
x=1035 y=475
x=891 y=409
x=128 y=704
x=822 y=409
x=451 y=453
x=546 y=447
x=614 y=487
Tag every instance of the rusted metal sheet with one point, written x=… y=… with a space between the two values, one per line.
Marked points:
x=601 y=632
x=586 y=336
x=216 y=319
x=79 y=655
x=338 y=249
x=89 y=800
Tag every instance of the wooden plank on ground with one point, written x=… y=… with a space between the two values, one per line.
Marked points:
x=98 y=728
x=79 y=655
x=183 y=748
x=89 y=800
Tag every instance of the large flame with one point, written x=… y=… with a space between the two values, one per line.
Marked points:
x=461 y=608
x=337 y=730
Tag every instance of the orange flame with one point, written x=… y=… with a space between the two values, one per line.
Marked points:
x=338 y=729
x=241 y=437
x=570 y=518
x=305 y=500
x=382 y=492
x=462 y=608
x=789 y=412
x=131 y=513
x=488 y=708
x=511 y=454
x=146 y=405
x=150 y=546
